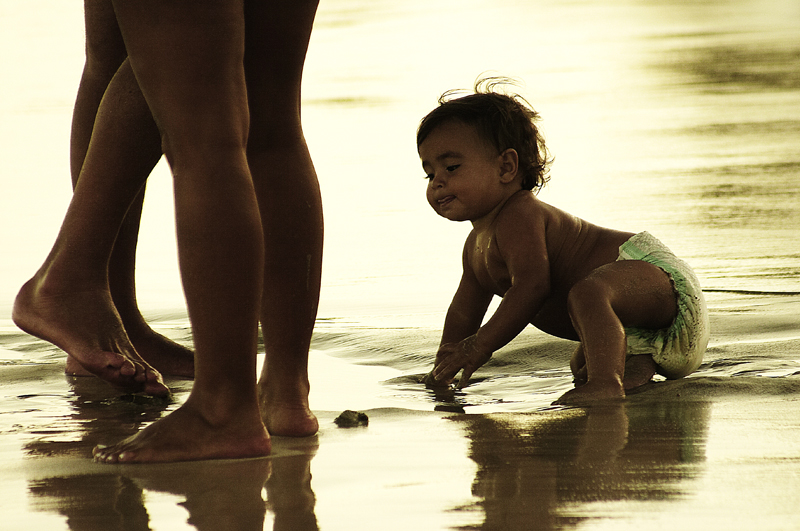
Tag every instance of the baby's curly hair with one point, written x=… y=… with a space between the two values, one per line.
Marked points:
x=504 y=120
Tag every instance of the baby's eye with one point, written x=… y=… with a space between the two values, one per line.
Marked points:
x=453 y=168
x=429 y=177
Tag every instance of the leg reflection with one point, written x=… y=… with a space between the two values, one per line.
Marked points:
x=289 y=494
x=548 y=469
x=92 y=502
x=218 y=494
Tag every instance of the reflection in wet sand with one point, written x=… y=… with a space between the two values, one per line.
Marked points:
x=216 y=494
x=681 y=118
x=120 y=507
x=545 y=470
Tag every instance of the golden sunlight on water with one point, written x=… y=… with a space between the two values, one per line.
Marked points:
x=680 y=118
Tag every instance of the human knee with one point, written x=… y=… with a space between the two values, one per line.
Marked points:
x=189 y=143
x=590 y=293
x=105 y=48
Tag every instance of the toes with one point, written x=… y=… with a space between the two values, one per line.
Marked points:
x=157 y=388
x=111 y=455
x=102 y=453
x=128 y=368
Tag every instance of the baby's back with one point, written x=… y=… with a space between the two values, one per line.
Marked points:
x=576 y=247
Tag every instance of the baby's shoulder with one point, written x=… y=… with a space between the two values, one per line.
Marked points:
x=523 y=220
x=522 y=205
x=528 y=211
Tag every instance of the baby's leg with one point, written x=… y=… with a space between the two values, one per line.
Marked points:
x=639 y=370
x=577 y=365
x=277 y=36
x=620 y=294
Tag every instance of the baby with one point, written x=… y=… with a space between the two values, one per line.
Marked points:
x=636 y=309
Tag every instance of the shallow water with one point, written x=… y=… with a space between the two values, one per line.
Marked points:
x=679 y=118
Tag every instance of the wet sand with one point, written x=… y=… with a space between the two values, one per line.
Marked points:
x=676 y=118
x=721 y=447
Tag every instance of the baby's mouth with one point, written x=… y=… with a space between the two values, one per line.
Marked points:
x=445 y=200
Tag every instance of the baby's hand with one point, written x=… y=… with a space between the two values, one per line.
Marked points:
x=432 y=383
x=453 y=357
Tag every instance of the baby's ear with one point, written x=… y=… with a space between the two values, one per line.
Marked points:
x=509 y=165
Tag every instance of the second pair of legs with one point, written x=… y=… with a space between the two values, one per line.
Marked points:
x=220 y=83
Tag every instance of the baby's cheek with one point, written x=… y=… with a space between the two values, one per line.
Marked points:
x=430 y=200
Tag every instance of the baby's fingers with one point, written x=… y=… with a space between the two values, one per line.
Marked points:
x=431 y=382
x=448 y=368
x=465 y=376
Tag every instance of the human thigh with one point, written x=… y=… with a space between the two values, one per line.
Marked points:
x=640 y=294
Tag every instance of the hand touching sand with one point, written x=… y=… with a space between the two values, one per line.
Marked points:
x=462 y=356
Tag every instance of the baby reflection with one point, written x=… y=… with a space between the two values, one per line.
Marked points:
x=536 y=471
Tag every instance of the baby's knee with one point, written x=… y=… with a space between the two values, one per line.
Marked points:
x=588 y=293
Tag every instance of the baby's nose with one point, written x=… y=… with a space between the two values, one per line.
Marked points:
x=437 y=181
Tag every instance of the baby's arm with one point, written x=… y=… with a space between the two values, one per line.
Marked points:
x=466 y=311
x=521 y=243
x=464 y=316
x=519 y=306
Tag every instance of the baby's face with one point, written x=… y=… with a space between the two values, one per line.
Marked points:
x=463 y=172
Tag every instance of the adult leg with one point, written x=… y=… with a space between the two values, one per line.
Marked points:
x=627 y=293
x=277 y=36
x=68 y=301
x=105 y=52
x=188 y=58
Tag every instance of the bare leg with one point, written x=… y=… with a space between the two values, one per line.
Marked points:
x=68 y=301
x=188 y=59
x=627 y=293
x=638 y=371
x=291 y=209
x=105 y=52
x=577 y=365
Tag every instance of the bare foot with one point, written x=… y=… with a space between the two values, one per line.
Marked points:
x=591 y=392
x=187 y=435
x=638 y=371
x=287 y=414
x=87 y=327
x=163 y=354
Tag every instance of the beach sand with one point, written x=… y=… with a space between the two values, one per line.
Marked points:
x=676 y=118
x=719 y=448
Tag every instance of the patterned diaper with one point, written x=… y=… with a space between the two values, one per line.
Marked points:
x=677 y=350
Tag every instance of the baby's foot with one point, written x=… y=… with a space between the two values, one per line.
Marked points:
x=639 y=370
x=590 y=393
x=87 y=327
x=186 y=435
